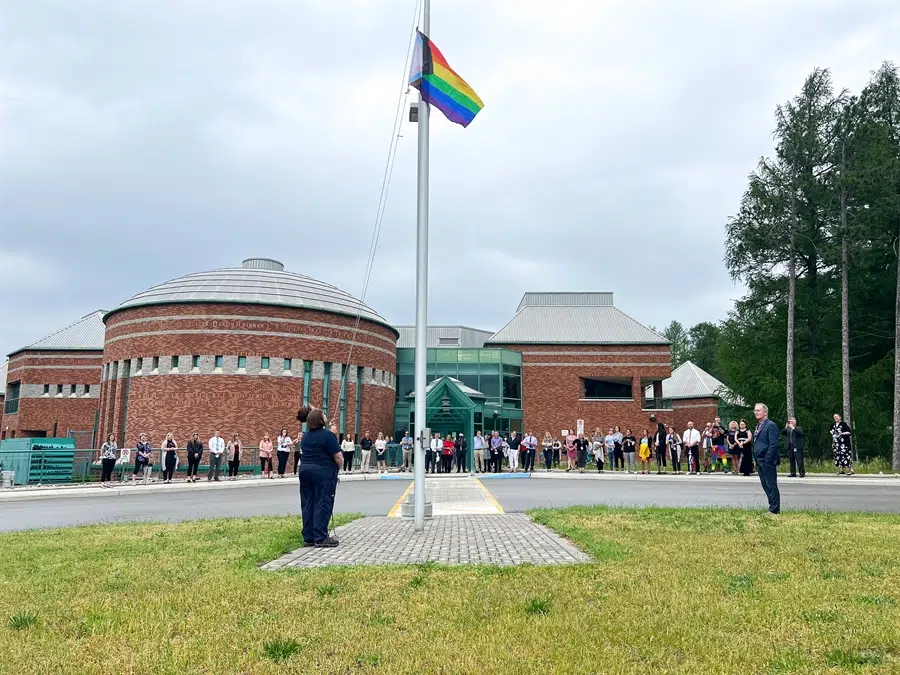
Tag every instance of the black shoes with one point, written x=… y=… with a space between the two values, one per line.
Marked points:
x=308 y=544
x=327 y=542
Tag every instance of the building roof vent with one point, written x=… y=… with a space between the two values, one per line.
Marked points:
x=262 y=264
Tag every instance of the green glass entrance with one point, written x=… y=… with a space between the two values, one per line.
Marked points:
x=494 y=375
x=450 y=410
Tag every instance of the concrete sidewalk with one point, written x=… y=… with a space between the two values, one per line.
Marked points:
x=27 y=493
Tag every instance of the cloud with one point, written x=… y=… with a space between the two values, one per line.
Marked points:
x=142 y=141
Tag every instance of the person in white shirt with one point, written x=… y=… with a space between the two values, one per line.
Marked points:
x=478 y=447
x=381 y=453
x=284 y=444
x=433 y=455
x=216 y=450
x=530 y=442
x=348 y=447
x=691 y=440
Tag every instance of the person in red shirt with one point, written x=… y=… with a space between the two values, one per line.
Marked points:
x=447 y=454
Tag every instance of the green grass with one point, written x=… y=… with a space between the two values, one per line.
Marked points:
x=876 y=465
x=22 y=620
x=671 y=591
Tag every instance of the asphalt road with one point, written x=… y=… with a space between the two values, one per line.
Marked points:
x=371 y=498
x=520 y=495
x=377 y=498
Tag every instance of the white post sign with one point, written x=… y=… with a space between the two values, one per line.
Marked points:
x=580 y=424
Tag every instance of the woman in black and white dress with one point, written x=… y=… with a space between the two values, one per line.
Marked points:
x=744 y=438
x=841 y=445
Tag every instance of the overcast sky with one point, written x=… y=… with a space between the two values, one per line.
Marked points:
x=142 y=140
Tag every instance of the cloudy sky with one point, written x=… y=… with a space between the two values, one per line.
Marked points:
x=141 y=140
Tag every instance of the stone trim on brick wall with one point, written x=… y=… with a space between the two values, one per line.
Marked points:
x=596 y=353
x=248 y=317
x=598 y=364
x=37 y=391
x=58 y=366
x=230 y=367
x=257 y=333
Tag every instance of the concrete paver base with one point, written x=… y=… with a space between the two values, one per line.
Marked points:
x=508 y=539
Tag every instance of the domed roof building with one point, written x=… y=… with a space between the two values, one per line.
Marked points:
x=238 y=350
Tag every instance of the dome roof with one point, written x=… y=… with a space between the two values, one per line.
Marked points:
x=259 y=281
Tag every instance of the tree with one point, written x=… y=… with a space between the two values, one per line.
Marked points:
x=703 y=339
x=828 y=200
x=880 y=139
x=678 y=336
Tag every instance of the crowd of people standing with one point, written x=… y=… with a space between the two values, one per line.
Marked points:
x=714 y=448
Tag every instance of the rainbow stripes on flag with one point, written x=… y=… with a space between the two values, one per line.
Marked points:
x=440 y=85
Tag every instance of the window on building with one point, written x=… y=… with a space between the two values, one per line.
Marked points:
x=512 y=391
x=326 y=388
x=59 y=389
x=220 y=361
x=72 y=388
x=343 y=398
x=46 y=389
x=307 y=377
x=195 y=362
x=11 y=405
x=155 y=363
x=489 y=385
x=448 y=342
x=264 y=363
x=174 y=363
x=87 y=390
x=405 y=386
x=242 y=362
x=610 y=387
x=359 y=394
x=287 y=364
x=140 y=364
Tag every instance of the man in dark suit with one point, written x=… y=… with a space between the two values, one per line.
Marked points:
x=766 y=450
x=794 y=436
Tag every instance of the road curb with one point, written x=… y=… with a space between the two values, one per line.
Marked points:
x=31 y=494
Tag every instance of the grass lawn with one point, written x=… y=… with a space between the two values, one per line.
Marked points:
x=671 y=591
x=878 y=465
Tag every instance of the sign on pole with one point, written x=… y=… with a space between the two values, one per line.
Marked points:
x=580 y=424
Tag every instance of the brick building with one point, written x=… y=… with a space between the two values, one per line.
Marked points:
x=583 y=358
x=53 y=385
x=240 y=350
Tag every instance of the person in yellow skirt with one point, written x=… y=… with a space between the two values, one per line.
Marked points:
x=644 y=452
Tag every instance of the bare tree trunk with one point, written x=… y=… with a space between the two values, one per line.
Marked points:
x=896 y=453
x=845 y=301
x=792 y=299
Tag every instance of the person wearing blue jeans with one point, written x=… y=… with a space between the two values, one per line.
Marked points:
x=767 y=451
x=322 y=460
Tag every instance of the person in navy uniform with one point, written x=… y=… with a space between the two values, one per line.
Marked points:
x=767 y=450
x=322 y=460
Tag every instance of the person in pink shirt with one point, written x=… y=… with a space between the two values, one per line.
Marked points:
x=571 y=449
x=265 y=456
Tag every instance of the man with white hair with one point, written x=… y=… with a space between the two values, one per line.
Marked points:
x=767 y=451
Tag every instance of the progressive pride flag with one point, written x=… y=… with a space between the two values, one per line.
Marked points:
x=440 y=85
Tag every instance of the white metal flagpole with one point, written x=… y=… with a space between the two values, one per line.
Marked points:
x=421 y=295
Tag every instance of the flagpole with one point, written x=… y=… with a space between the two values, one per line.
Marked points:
x=421 y=294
